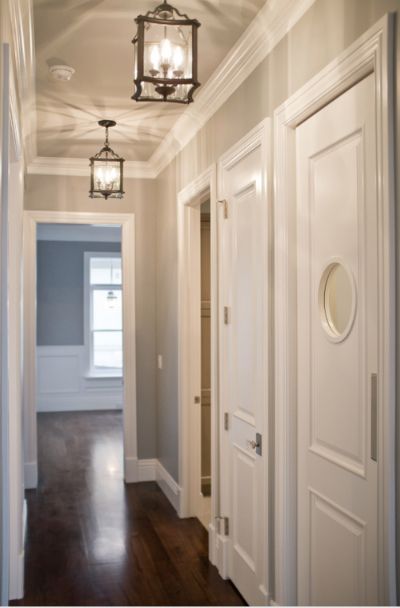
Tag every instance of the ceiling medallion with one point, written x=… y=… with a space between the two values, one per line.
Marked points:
x=165 y=56
x=106 y=170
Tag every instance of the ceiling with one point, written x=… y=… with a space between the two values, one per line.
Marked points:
x=94 y=37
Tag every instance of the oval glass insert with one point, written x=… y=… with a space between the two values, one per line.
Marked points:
x=338 y=299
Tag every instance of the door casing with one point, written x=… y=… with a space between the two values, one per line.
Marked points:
x=127 y=222
x=372 y=53
x=189 y=346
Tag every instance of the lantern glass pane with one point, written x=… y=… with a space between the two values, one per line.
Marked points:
x=107 y=175
x=168 y=51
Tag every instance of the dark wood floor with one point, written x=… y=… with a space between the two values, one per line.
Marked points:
x=94 y=541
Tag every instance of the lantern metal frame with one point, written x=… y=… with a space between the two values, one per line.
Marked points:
x=106 y=155
x=167 y=15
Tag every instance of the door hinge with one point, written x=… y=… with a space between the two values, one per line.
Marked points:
x=226 y=421
x=224 y=202
x=226 y=315
x=225 y=525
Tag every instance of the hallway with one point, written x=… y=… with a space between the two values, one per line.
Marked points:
x=91 y=540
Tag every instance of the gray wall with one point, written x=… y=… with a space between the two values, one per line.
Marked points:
x=60 y=290
x=328 y=28
x=60 y=193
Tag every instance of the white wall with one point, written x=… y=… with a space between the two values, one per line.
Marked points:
x=62 y=384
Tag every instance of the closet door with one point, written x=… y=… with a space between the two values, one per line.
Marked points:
x=244 y=372
x=338 y=374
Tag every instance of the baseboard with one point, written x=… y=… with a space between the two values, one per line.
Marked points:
x=221 y=555
x=212 y=539
x=151 y=469
x=169 y=486
x=30 y=475
x=16 y=588
x=17 y=564
x=147 y=469
x=131 y=470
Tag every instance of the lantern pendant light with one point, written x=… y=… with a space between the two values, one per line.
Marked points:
x=165 y=56
x=106 y=170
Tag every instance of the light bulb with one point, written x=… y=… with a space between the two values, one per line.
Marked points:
x=178 y=57
x=166 y=51
x=155 y=57
x=100 y=177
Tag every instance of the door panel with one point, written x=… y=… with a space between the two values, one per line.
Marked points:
x=243 y=365
x=337 y=351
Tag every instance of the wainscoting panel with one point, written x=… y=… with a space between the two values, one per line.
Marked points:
x=63 y=384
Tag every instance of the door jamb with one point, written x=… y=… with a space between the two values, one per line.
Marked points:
x=188 y=203
x=371 y=53
x=127 y=222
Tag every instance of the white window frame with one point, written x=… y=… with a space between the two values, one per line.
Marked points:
x=92 y=372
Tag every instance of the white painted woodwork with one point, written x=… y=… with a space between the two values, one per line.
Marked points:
x=127 y=222
x=16 y=193
x=191 y=502
x=337 y=479
x=12 y=551
x=63 y=384
x=371 y=53
x=4 y=323
x=243 y=360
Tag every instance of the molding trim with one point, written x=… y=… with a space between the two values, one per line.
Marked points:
x=79 y=167
x=267 y=29
x=127 y=221
x=131 y=469
x=371 y=53
x=22 y=37
x=271 y=24
x=16 y=589
x=188 y=222
x=169 y=486
x=147 y=469
x=31 y=475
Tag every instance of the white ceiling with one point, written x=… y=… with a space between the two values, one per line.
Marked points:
x=94 y=37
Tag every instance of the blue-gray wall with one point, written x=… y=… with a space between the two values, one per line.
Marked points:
x=60 y=290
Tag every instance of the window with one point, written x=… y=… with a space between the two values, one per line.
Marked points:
x=104 y=312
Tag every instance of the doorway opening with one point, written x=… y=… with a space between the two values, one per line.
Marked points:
x=79 y=350
x=204 y=508
x=79 y=343
x=198 y=345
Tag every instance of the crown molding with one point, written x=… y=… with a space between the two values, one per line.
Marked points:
x=79 y=167
x=272 y=23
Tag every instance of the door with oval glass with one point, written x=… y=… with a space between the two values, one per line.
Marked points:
x=337 y=352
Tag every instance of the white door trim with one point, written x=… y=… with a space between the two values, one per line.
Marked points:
x=127 y=221
x=372 y=53
x=188 y=203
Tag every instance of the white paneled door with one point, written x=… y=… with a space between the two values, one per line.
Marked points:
x=243 y=223
x=338 y=374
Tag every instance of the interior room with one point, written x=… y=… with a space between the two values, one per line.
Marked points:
x=199 y=285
